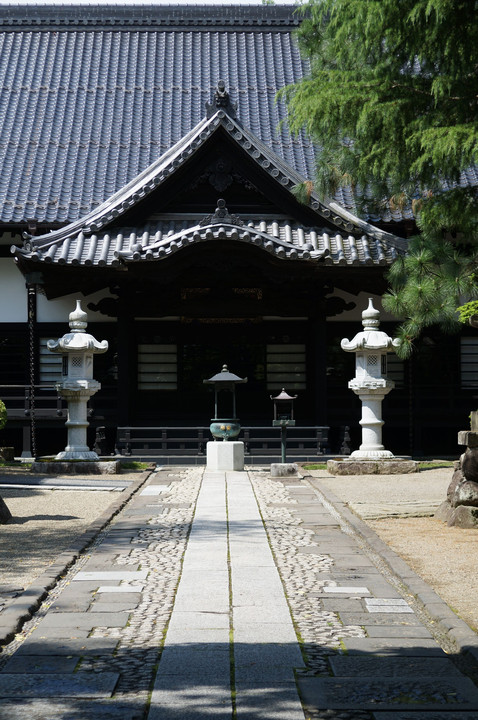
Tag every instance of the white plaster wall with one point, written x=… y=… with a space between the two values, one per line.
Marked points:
x=361 y=302
x=13 y=294
x=59 y=309
x=13 y=300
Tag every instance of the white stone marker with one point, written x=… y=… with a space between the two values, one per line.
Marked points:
x=225 y=455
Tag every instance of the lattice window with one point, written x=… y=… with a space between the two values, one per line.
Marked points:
x=76 y=361
x=286 y=367
x=50 y=365
x=396 y=370
x=372 y=360
x=469 y=362
x=157 y=367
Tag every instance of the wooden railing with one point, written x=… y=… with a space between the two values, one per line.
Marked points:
x=18 y=401
x=170 y=441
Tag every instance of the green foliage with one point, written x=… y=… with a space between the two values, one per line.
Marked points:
x=467 y=311
x=3 y=415
x=392 y=101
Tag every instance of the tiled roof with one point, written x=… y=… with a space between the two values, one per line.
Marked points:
x=151 y=179
x=82 y=242
x=162 y=238
x=90 y=98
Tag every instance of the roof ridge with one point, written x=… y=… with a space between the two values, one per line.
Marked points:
x=207 y=17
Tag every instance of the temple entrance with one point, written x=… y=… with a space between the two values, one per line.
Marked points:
x=173 y=360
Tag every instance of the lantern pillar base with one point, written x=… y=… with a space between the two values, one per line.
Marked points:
x=225 y=455
x=372 y=455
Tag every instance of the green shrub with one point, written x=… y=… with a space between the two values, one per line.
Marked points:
x=3 y=415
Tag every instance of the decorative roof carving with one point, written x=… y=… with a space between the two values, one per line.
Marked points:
x=222 y=101
x=221 y=215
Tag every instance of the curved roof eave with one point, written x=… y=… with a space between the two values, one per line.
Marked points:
x=153 y=176
x=219 y=231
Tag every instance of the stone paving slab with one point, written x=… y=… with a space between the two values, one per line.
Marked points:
x=363 y=618
x=58 y=685
x=34 y=664
x=348 y=693
x=180 y=700
x=194 y=682
x=269 y=662
x=397 y=631
x=394 y=646
x=426 y=715
x=71 y=709
x=113 y=575
x=83 y=621
x=412 y=667
x=81 y=646
x=118 y=590
x=262 y=701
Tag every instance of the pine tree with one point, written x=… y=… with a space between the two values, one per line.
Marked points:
x=392 y=99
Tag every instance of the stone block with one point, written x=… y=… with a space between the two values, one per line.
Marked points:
x=456 y=479
x=279 y=470
x=468 y=437
x=444 y=511
x=469 y=464
x=466 y=493
x=464 y=516
x=225 y=455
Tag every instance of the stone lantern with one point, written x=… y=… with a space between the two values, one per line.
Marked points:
x=370 y=382
x=77 y=385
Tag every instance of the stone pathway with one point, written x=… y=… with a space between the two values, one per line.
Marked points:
x=179 y=611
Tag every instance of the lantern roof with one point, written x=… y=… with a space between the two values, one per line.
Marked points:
x=283 y=395
x=370 y=338
x=225 y=377
x=77 y=340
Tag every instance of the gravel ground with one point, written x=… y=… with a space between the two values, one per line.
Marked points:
x=399 y=509
x=44 y=524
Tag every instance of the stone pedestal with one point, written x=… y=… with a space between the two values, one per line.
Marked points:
x=395 y=466
x=225 y=455
x=77 y=423
x=371 y=393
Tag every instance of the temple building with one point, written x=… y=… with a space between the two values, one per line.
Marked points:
x=145 y=171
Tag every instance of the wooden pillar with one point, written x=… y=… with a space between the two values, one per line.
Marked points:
x=317 y=361
x=29 y=433
x=126 y=366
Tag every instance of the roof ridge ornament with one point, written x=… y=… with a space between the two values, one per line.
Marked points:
x=221 y=215
x=221 y=101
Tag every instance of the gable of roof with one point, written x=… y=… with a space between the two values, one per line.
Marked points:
x=152 y=178
x=102 y=228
